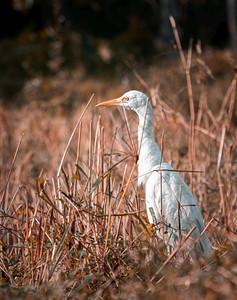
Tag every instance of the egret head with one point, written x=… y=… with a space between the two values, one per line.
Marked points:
x=133 y=100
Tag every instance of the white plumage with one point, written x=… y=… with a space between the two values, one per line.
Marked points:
x=169 y=201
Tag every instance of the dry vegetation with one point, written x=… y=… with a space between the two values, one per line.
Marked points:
x=82 y=232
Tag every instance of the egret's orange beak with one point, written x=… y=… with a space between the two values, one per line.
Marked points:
x=113 y=102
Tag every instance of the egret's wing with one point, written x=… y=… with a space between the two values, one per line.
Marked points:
x=168 y=194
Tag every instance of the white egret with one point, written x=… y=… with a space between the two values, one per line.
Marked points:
x=169 y=201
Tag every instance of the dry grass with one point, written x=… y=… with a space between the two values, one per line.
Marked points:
x=84 y=233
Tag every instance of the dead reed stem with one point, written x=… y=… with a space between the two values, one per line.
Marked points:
x=120 y=202
x=173 y=253
x=187 y=66
x=231 y=88
x=10 y=172
x=72 y=135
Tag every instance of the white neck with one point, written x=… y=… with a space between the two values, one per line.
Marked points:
x=150 y=155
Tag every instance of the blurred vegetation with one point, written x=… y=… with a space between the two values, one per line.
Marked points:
x=41 y=38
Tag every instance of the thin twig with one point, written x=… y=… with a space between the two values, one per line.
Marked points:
x=72 y=135
x=173 y=24
x=137 y=75
x=198 y=239
x=221 y=148
x=173 y=254
x=187 y=66
x=10 y=171
x=121 y=200
x=225 y=100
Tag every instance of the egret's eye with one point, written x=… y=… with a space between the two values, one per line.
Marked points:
x=125 y=99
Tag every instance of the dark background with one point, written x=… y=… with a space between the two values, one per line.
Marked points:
x=42 y=37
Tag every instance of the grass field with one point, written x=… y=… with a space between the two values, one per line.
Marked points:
x=81 y=231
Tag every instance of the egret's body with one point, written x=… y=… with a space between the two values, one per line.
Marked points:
x=169 y=201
